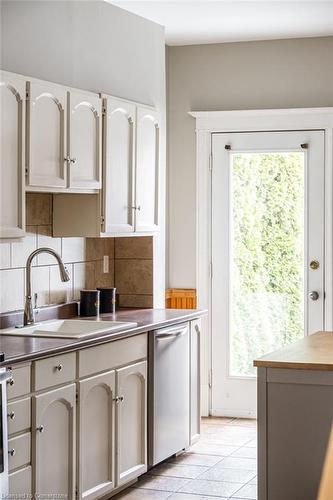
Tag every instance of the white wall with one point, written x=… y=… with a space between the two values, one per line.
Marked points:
x=95 y=46
x=251 y=75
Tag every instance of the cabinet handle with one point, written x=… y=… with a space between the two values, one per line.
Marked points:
x=197 y=329
x=137 y=208
x=12 y=452
x=11 y=415
x=73 y=160
x=11 y=381
x=40 y=428
x=121 y=399
x=59 y=367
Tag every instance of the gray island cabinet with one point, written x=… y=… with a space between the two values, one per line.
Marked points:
x=295 y=416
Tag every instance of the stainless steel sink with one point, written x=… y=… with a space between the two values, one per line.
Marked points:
x=69 y=328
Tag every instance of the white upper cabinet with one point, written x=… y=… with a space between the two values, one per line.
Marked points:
x=46 y=135
x=84 y=140
x=12 y=115
x=147 y=169
x=63 y=139
x=119 y=161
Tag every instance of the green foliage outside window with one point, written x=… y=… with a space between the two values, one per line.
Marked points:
x=267 y=262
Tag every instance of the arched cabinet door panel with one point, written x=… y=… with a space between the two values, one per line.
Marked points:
x=96 y=436
x=147 y=169
x=119 y=161
x=46 y=135
x=54 y=442
x=12 y=134
x=131 y=422
x=84 y=140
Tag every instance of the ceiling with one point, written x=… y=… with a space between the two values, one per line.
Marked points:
x=189 y=22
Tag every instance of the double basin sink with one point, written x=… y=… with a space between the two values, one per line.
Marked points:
x=69 y=328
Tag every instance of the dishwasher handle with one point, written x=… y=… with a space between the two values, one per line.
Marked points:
x=171 y=334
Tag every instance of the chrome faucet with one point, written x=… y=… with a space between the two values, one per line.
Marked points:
x=28 y=318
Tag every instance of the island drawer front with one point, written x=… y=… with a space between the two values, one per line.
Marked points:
x=113 y=354
x=20 y=382
x=20 y=482
x=53 y=371
x=19 y=415
x=19 y=451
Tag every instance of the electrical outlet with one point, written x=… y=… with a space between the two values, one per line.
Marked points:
x=105 y=264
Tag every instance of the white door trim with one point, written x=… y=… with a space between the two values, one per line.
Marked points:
x=208 y=122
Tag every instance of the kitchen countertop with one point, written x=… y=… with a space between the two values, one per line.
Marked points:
x=20 y=348
x=314 y=352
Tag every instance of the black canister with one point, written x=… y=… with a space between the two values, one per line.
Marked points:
x=108 y=300
x=89 y=302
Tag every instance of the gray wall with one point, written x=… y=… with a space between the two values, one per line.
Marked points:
x=96 y=46
x=251 y=75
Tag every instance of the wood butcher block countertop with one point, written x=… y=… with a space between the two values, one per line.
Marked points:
x=20 y=348
x=314 y=352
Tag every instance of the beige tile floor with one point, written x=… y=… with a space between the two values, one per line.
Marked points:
x=223 y=464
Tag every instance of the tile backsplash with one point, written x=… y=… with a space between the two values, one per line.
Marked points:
x=130 y=263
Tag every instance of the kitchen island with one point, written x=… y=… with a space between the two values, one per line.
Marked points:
x=295 y=415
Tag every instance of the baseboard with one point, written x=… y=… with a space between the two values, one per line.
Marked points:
x=233 y=413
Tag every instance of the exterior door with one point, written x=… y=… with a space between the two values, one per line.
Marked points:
x=119 y=160
x=12 y=132
x=131 y=422
x=46 y=135
x=96 y=435
x=147 y=170
x=267 y=254
x=84 y=140
x=54 y=431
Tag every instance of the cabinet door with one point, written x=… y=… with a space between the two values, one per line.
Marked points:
x=84 y=140
x=131 y=418
x=118 y=190
x=96 y=435
x=147 y=170
x=12 y=203
x=54 y=431
x=46 y=118
x=195 y=381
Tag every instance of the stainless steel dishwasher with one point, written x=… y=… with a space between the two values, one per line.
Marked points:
x=169 y=392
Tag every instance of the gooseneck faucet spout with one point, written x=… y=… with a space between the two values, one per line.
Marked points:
x=28 y=309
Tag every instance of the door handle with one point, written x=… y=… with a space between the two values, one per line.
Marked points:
x=314 y=295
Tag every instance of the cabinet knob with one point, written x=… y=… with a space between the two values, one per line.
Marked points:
x=121 y=399
x=11 y=381
x=59 y=367
x=73 y=160
x=40 y=428
x=11 y=415
x=12 y=452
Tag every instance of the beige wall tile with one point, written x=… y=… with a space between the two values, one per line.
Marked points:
x=4 y=254
x=11 y=290
x=83 y=277
x=140 y=301
x=38 y=209
x=44 y=239
x=40 y=284
x=22 y=248
x=134 y=248
x=134 y=276
x=73 y=249
x=101 y=278
x=96 y=248
x=61 y=292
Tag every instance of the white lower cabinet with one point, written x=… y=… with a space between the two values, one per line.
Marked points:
x=131 y=422
x=96 y=435
x=54 y=442
x=20 y=482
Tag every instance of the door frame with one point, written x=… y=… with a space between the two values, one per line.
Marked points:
x=264 y=120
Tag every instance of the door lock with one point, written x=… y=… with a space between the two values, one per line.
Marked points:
x=314 y=295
